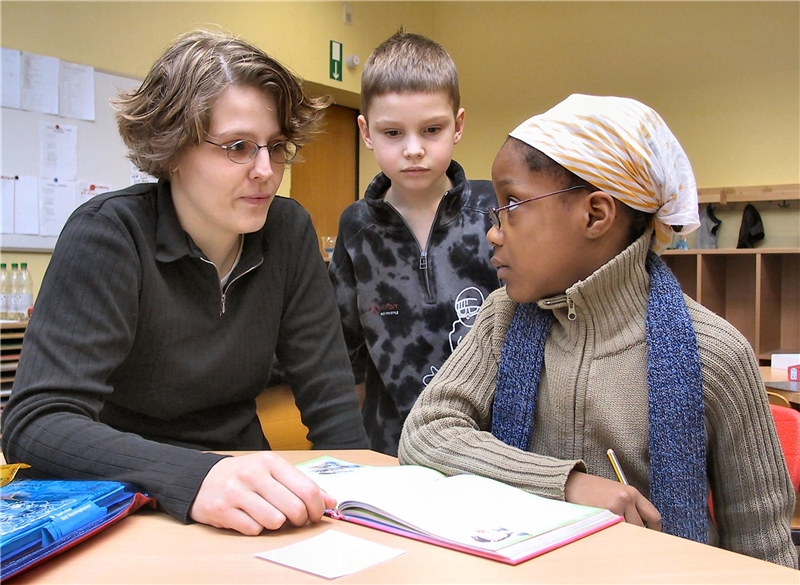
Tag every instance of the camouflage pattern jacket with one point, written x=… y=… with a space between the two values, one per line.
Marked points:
x=405 y=306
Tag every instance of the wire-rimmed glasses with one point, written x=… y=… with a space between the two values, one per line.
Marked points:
x=494 y=212
x=243 y=151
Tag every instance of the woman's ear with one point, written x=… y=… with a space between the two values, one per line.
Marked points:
x=600 y=210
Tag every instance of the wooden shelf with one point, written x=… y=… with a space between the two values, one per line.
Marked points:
x=11 y=335
x=726 y=195
x=757 y=290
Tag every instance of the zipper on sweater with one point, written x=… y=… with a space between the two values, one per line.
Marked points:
x=571 y=313
x=230 y=282
x=224 y=292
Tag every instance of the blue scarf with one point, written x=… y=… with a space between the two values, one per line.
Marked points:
x=678 y=483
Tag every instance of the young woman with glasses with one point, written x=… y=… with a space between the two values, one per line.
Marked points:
x=164 y=304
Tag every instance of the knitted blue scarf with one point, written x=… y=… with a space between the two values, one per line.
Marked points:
x=677 y=439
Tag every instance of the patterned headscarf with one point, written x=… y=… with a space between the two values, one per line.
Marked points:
x=624 y=148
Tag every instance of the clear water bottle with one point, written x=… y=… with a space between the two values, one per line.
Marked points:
x=25 y=295
x=13 y=290
x=5 y=290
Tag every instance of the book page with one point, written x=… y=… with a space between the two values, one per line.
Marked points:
x=470 y=510
x=367 y=483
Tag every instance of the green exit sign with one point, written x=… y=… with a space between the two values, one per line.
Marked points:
x=335 y=61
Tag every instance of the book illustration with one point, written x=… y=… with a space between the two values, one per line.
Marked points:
x=331 y=467
x=468 y=512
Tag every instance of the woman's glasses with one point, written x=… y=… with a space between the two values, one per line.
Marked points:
x=494 y=212
x=243 y=151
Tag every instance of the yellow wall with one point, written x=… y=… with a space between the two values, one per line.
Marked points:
x=724 y=75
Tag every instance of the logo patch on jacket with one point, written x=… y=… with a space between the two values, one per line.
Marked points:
x=385 y=309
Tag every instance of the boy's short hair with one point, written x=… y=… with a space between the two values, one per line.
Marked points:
x=408 y=62
x=170 y=111
x=539 y=162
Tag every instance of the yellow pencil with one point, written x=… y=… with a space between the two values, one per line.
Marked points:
x=617 y=467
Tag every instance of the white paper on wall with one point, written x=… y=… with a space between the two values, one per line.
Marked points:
x=76 y=91
x=26 y=205
x=87 y=190
x=8 y=204
x=56 y=203
x=11 y=78
x=39 y=83
x=58 y=151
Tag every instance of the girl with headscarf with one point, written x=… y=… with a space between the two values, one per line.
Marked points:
x=591 y=345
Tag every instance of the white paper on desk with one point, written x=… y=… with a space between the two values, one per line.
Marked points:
x=332 y=554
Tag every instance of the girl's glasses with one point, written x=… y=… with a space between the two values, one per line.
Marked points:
x=494 y=212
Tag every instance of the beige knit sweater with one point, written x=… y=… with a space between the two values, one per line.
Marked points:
x=593 y=395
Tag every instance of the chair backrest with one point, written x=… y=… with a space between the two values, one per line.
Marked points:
x=787 y=423
x=779 y=399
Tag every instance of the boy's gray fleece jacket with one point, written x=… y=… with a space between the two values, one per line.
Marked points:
x=405 y=305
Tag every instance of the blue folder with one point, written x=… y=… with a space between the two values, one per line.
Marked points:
x=41 y=518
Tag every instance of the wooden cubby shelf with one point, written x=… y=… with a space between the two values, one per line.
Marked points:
x=757 y=290
x=11 y=335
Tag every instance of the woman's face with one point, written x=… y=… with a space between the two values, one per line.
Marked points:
x=215 y=198
x=538 y=250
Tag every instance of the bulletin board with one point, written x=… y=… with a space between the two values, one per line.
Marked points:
x=101 y=154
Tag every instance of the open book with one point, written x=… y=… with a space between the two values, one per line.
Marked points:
x=469 y=513
x=42 y=518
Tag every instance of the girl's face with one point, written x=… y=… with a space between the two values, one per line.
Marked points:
x=538 y=249
x=217 y=199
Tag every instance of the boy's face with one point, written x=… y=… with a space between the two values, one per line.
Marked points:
x=539 y=248
x=412 y=135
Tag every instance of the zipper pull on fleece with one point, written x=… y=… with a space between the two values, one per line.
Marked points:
x=423 y=260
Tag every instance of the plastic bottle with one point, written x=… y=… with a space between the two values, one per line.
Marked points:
x=13 y=289
x=25 y=295
x=5 y=283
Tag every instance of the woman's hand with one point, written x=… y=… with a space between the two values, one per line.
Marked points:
x=257 y=491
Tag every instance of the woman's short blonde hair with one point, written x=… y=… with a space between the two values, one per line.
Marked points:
x=170 y=111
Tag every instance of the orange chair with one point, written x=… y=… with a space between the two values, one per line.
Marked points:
x=787 y=424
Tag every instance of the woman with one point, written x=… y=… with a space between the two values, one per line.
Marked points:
x=164 y=304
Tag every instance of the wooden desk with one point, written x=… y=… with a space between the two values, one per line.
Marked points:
x=150 y=547
x=779 y=375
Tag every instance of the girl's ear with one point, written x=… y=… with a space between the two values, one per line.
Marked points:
x=600 y=210
x=363 y=126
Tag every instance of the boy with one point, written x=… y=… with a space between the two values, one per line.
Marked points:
x=591 y=345
x=411 y=265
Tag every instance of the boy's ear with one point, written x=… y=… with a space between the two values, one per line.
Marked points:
x=364 y=129
x=600 y=211
x=459 y=126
